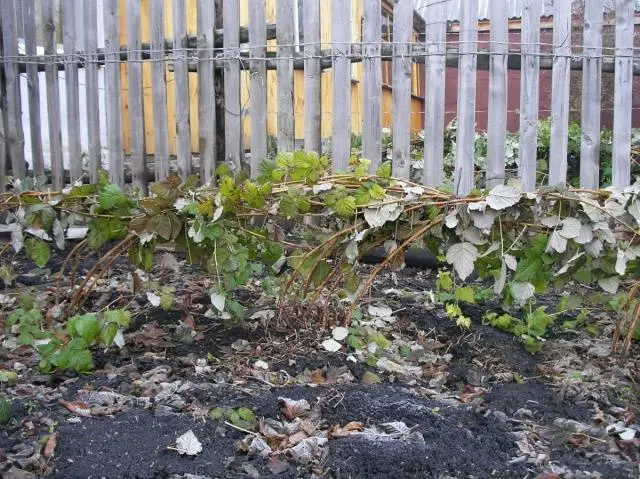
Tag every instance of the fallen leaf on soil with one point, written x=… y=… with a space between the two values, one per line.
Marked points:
x=78 y=408
x=370 y=378
x=307 y=450
x=50 y=446
x=331 y=345
x=151 y=335
x=276 y=466
x=188 y=444
x=347 y=430
x=259 y=446
x=339 y=333
x=317 y=376
x=292 y=409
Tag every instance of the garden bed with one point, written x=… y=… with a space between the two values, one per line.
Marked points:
x=474 y=403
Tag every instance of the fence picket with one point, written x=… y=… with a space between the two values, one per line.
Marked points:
x=159 y=92
x=13 y=129
x=560 y=94
x=206 y=90
x=112 y=79
x=136 y=98
x=402 y=69
x=53 y=94
x=371 y=83
x=529 y=93
x=466 y=98
x=591 y=90
x=232 y=115
x=312 y=99
x=181 y=72
x=33 y=87
x=285 y=39
x=497 y=109
x=92 y=89
x=72 y=87
x=341 y=121
x=257 y=42
x=435 y=69
x=623 y=99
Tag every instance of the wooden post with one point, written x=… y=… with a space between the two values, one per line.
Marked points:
x=371 y=83
x=591 y=90
x=285 y=39
x=112 y=80
x=621 y=158
x=560 y=94
x=206 y=92
x=33 y=87
x=13 y=128
x=257 y=42
x=159 y=92
x=497 y=110
x=341 y=124
x=92 y=90
x=402 y=69
x=233 y=112
x=181 y=72
x=72 y=88
x=136 y=98
x=53 y=94
x=465 y=145
x=529 y=93
x=312 y=72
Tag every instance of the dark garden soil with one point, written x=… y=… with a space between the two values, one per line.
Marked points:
x=461 y=403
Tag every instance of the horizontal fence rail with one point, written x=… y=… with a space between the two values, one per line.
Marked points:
x=252 y=77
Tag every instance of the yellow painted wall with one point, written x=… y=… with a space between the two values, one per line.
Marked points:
x=326 y=81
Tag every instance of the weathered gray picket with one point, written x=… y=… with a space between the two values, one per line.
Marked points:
x=529 y=94
x=341 y=108
x=312 y=99
x=206 y=89
x=623 y=95
x=159 y=92
x=181 y=74
x=285 y=40
x=92 y=88
x=371 y=84
x=561 y=78
x=232 y=107
x=435 y=70
x=258 y=87
x=591 y=91
x=497 y=109
x=72 y=86
x=112 y=80
x=466 y=99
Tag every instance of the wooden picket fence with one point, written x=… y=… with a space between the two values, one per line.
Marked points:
x=232 y=49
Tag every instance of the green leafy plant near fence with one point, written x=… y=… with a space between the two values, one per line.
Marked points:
x=520 y=244
x=512 y=145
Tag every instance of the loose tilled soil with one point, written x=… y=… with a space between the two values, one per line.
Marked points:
x=474 y=402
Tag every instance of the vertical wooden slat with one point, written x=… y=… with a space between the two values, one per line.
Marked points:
x=136 y=97
x=435 y=68
x=33 y=87
x=467 y=69
x=183 y=130
x=3 y=115
x=621 y=164
x=560 y=94
x=112 y=80
x=92 y=90
x=497 y=109
x=206 y=91
x=258 y=107
x=591 y=90
x=341 y=124
x=312 y=98
x=72 y=88
x=371 y=83
x=232 y=107
x=53 y=94
x=285 y=39
x=529 y=93
x=402 y=67
x=159 y=92
x=13 y=128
